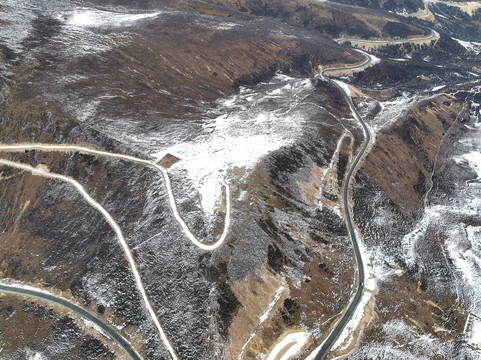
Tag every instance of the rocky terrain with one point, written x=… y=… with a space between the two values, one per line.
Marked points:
x=216 y=156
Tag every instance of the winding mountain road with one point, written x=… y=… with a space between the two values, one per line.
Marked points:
x=342 y=322
x=151 y=163
x=426 y=12
x=44 y=172
x=334 y=335
x=69 y=305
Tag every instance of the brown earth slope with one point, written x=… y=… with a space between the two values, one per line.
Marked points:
x=173 y=66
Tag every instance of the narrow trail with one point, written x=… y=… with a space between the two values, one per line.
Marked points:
x=55 y=299
x=151 y=163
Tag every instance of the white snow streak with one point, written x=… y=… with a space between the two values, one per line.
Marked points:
x=474 y=47
x=264 y=316
x=436 y=88
x=277 y=296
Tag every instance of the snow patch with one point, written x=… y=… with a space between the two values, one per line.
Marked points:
x=226 y=26
x=464 y=248
x=436 y=88
x=251 y=126
x=97 y=18
x=211 y=193
x=37 y=356
x=392 y=111
x=373 y=58
x=90 y=324
x=475 y=332
x=28 y=287
x=473 y=158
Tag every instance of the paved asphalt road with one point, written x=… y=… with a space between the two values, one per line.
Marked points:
x=333 y=336
x=57 y=300
x=433 y=35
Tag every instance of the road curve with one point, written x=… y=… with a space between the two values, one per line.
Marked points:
x=82 y=149
x=333 y=336
x=426 y=12
x=433 y=35
x=69 y=305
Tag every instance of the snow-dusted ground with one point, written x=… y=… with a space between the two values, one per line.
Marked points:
x=252 y=124
x=77 y=33
x=88 y=323
x=93 y=31
x=42 y=171
x=17 y=16
x=458 y=214
x=419 y=344
x=162 y=170
x=392 y=111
